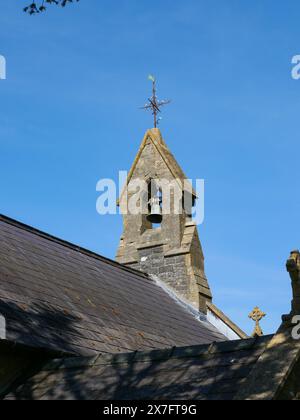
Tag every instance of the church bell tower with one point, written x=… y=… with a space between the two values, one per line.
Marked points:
x=163 y=242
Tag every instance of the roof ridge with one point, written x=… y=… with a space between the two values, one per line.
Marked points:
x=70 y=245
x=194 y=351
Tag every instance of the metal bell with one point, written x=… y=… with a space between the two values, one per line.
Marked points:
x=155 y=215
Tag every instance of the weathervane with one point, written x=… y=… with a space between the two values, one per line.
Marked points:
x=257 y=315
x=154 y=104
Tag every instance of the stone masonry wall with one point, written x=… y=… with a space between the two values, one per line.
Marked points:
x=171 y=270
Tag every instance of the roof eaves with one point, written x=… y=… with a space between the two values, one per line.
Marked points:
x=14 y=346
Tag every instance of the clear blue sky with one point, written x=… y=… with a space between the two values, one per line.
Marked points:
x=69 y=116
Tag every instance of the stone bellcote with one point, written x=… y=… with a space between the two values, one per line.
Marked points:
x=169 y=249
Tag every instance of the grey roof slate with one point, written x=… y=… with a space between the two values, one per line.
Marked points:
x=59 y=296
x=208 y=372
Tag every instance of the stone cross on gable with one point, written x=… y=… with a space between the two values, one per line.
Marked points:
x=257 y=315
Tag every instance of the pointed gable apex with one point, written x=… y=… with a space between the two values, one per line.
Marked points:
x=155 y=136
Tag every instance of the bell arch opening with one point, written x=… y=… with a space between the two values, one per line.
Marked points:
x=155 y=200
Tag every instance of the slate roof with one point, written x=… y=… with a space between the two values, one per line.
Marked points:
x=207 y=372
x=61 y=297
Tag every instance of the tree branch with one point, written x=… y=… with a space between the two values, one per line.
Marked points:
x=39 y=7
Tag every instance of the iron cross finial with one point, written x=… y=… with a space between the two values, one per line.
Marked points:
x=154 y=104
x=257 y=315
